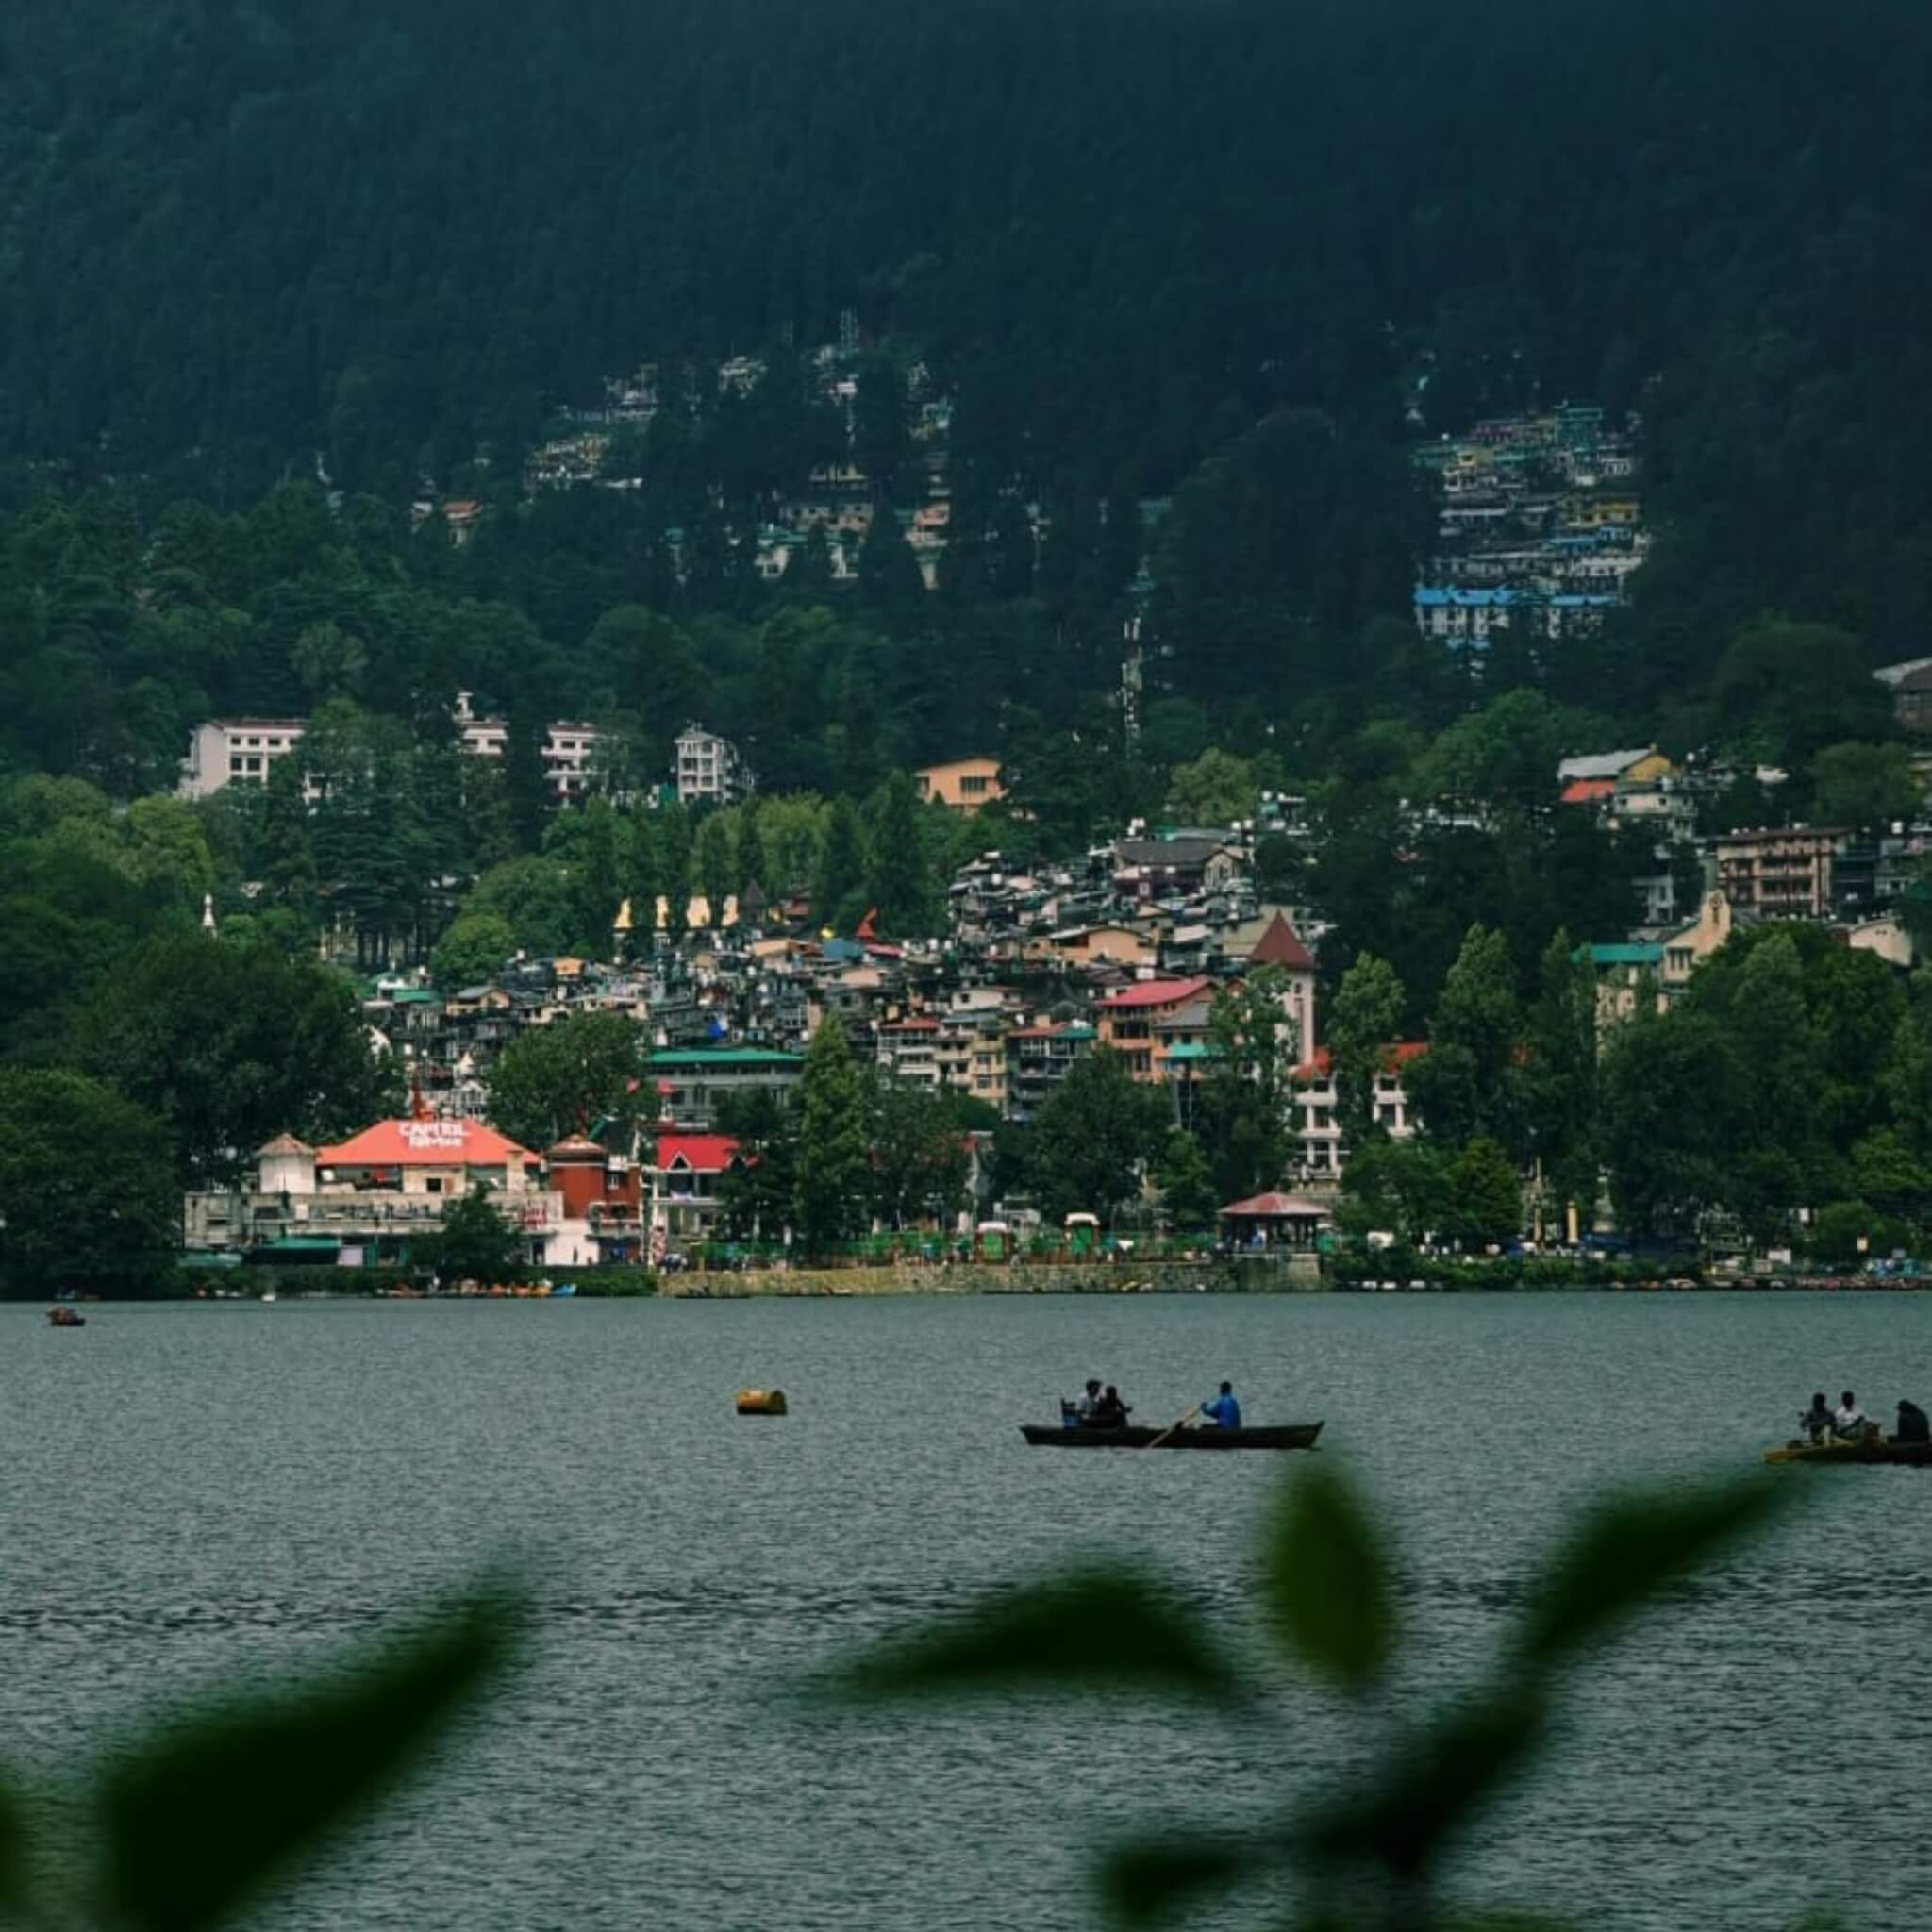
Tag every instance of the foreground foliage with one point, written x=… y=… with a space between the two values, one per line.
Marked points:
x=199 y=1816
x=1372 y=1858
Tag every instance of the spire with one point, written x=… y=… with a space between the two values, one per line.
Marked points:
x=207 y=913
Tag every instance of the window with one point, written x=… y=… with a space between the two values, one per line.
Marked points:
x=973 y=788
x=433 y=1185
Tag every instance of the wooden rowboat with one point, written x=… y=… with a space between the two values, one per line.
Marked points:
x=1918 y=1454
x=1282 y=1436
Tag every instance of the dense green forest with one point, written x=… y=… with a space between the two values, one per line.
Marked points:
x=1197 y=248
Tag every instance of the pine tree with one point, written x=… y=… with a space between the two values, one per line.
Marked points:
x=524 y=776
x=889 y=574
x=599 y=881
x=841 y=868
x=748 y=855
x=898 y=882
x=713 y=857
x=643 y=881
x=834 y=1163
x=673 y=860
x=1187 y=1183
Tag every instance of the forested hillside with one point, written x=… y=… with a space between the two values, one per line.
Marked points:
x=1232 y=253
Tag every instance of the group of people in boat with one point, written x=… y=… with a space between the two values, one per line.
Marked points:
x=1101 y=1408
x=1848 y=1422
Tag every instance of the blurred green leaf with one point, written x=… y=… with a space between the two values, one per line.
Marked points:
x=1107 y=1629
x=1141 y=1882
x=1506 y=1922
x=14 y=1847
x=199 y=1816
x=1324 y=1580
x=1628 y=1548
x=1433 y=1788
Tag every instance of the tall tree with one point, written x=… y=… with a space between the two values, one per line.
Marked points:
x=1245 y=1110
x=1560 y=1076
x=525 y=780
x=581 y=1072
x=87 y=1197
x=1095 y=1136
x=1364 y=1020
x=757 y=1192
x=749 y=863
x=475 y=1242
x=598 y=877
x=231 y=1045
x=919 y=1155
x=1187 y=1182
x=898 y=881
x=834 y=1161
x=840 y=871
x=714 y=859
x=1469 y=1083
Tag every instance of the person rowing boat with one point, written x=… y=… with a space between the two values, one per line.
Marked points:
x=1222 y=1412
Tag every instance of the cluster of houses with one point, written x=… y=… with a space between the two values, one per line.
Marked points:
x=1539 y=528
x=1125 y=948
x=1851 y=881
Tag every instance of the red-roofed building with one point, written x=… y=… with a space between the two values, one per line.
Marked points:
x=684 y=1184
x=1128 y=1020
x=598 y=1197
x=366 y=1200
x=1276 y=1220
x=426 y=1150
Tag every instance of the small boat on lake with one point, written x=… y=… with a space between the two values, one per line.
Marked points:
x=64 y=1317
x=1877 y=1449
x=1282 y=1436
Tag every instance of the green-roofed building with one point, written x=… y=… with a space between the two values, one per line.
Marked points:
x=1623 y=969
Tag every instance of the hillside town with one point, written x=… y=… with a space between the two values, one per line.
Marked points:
x=1129 y=948
x=1136 y=946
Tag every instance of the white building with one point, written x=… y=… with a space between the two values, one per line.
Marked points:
x=709 y=770
x=232 y=751
x=239 y=751
x=1320 y=1154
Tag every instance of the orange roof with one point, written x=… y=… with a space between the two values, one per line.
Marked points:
x=425 y=1143
x=1395 y=1056
x=1155 y=992
x=1588 y=791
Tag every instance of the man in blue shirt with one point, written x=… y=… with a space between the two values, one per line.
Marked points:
x=1223 y=1412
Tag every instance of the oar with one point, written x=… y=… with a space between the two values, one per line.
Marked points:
x=1180 y=1424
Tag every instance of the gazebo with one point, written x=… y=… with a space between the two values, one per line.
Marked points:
x=1275 y=1220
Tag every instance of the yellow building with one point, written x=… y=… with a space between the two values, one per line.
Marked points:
x=962 y=785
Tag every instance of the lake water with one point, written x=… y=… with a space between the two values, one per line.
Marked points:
x=199 y=1495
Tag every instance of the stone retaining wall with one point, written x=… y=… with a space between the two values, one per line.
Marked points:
x=1071 y=1277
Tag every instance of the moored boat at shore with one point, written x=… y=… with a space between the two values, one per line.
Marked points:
x=1281 y=1436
